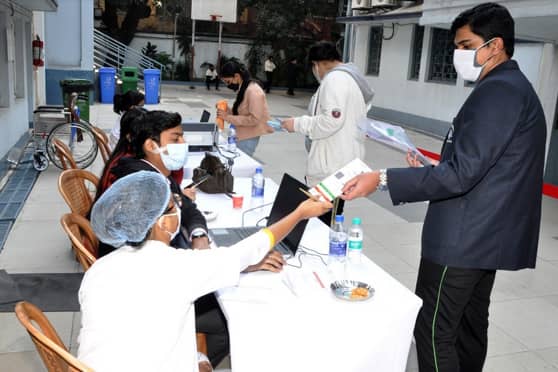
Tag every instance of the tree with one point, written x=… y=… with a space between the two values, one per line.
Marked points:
x=135 y=10
x=288 y=26
x=150 y=50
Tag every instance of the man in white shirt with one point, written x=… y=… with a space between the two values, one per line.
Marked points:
x=137 y=303
x=269 y=67
x=211 y=76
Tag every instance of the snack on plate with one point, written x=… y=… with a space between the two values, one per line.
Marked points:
x=359 y=292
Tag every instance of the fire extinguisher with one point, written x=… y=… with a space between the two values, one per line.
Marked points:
x=38 y=45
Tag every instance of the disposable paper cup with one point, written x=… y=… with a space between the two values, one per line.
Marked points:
x=237 y=201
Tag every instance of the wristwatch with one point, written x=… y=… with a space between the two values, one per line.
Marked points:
x=383 y=184
x=198 y=233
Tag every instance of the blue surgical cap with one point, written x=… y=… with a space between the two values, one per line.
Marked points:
x=130 y=207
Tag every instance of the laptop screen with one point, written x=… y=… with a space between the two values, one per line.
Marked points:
x=287 y=199
x=205 y=116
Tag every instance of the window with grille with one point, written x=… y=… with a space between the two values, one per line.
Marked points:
x=441 y=57
x=416 y=53
x=375 y=50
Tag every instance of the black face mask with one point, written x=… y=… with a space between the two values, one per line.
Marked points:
x=233 y=86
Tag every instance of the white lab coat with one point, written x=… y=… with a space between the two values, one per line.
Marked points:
x=335 y=111
x=137 y=304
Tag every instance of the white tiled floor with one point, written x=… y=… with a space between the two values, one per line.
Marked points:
x=523 y=333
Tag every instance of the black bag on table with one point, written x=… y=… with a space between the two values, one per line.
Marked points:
x=221 y=179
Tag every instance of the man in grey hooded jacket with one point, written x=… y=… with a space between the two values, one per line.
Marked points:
x=342 y=100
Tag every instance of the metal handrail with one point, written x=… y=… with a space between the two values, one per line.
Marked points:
x=114 y=53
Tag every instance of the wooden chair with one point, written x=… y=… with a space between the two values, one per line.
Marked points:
x=102 y=142
x=73 y=188
x=86 y=245
x=52 y=350
x=84 y=241
x=64 y=153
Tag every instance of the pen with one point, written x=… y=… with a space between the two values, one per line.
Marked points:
x=306 y=193
x=318 y=279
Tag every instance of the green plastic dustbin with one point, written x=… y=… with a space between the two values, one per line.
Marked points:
x=82 y=88
x=129 y=77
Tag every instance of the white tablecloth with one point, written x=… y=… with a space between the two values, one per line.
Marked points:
x=227 y=216
x=300 y=326
x=303 y=327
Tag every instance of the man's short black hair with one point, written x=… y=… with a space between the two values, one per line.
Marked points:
x=488 y=20
x=323 y=51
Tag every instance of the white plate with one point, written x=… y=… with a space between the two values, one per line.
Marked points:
x=343 y=289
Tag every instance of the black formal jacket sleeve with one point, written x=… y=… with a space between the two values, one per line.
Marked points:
x=485 y=195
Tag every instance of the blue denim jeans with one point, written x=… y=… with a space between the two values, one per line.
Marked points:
x=248 y=145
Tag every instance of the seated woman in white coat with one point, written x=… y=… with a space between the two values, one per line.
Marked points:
x=137 y=302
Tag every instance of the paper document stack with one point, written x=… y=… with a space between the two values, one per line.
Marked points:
x=391 y=135
x=331 y=187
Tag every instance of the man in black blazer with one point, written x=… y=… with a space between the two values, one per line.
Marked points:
x=485 y=194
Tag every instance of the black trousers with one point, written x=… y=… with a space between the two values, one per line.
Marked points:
x=209 y=80
x=269 y=80
x=451 y=328
x=211 y=321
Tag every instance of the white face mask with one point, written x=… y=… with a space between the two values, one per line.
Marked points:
x=174 y=155
x=316 y=74
x=465 y=63
x=179 y=216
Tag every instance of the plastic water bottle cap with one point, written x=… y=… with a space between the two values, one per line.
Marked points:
x=356 y=221
x=259 y=170
x=232 y=126
x=339 y=218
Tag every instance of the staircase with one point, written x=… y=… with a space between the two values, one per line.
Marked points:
x=108 y=52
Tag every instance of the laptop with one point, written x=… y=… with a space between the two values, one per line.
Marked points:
x=287 y=199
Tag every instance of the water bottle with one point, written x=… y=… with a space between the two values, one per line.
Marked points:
x=337 y=241
x=258 y=184
x=231 y=139
x=354 y=247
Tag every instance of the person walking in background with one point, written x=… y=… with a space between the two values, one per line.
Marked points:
x=342 y=99
x=211 y=76
x=269 y=67
x=485 y=194
x=249 y=113
x=292 y=72
x=122 y=103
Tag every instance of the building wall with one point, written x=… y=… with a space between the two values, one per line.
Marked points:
x=205 y=48
x=38 y=28
x=549 y=99
x=443 y=11
x=16 y=98
x=431 y=106
x=424 y=105
x=68 y=46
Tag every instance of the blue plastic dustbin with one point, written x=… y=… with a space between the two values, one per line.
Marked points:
x=151 y=77
x=107 y=84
